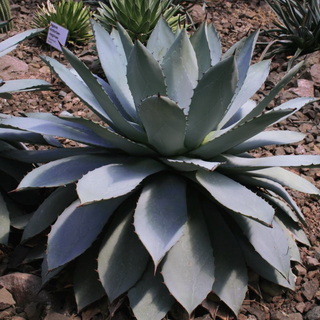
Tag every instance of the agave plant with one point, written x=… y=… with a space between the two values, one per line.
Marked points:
x=138 y=17
x=5 y=15
x=70 y=14
x=298 y=30
x=190 y=207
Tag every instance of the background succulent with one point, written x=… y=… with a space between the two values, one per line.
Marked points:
x=168 y=185
x=70 y=14
x=298 y=30
x=138 y=17
x=5 y=15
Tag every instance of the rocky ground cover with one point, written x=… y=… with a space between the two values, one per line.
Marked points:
x=21 y=296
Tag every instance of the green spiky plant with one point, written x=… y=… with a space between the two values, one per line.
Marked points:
x=70 y=14
x=164 y=199
x=297 y=30
x=138 y=17
x=5 y=15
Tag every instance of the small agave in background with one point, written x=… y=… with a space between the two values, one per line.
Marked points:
x=164 y=199
x=297 y=30
x=70 y=14
x=138 y=17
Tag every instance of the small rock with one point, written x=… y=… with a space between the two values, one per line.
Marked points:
x=45 y=70
x=300 y=307
x=317 y=253
x=62 y=94
x=11 y=66
x=7 y=314
x=295 y=316
x=315 y=73
x=33 y=310
x=312 y=263
x=278 y=315
x=300 y=150
x=313 y=314
x=304 y=89
x=6 y=299
x=197 y=13
x=298 y=297
x=310 y=288
x=25 y=288
x=299 y=270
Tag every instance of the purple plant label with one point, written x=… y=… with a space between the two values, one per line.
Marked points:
x=57 y=35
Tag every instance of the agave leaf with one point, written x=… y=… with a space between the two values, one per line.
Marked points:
x=4 y=221
x=200 y=45
x=114 y=68
x=187 y=164
x=210 y=101
x=275 y=187
x=161 y=214
x=23 y=136
x=24 y=85
x=241 y=113
x=278 y=87
x=180 y=68
x=145 y=77
x=270 y=243
x=46 y=274
x=293 y=249
x=69 y=236
x=118 y=122
x=115 y=180
x=149 y=298
x=115 y=35
x=257 y=74
x=273 y=198
x=239 y=134
x=295 y=104
x=113 y=138
x=85 y=135
x=86 y=285
x=188 y=268
x=261 y=266
x=64 y=171
x=244 y=57
x=230 y=269
x=286 y=178
x=293 y=227
x=126 y=41
x=10 y=44
x=122 y=258
x=214 y=44
x=42 y=156
x=78 y=87
x=267 y=138
x=235 y=196
x=247 y=164
x=14 y=168
x=49 y=210
x=165 y=124
x=37 y=252
x=160 y=40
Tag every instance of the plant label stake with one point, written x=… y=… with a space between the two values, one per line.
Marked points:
x=56 y=35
